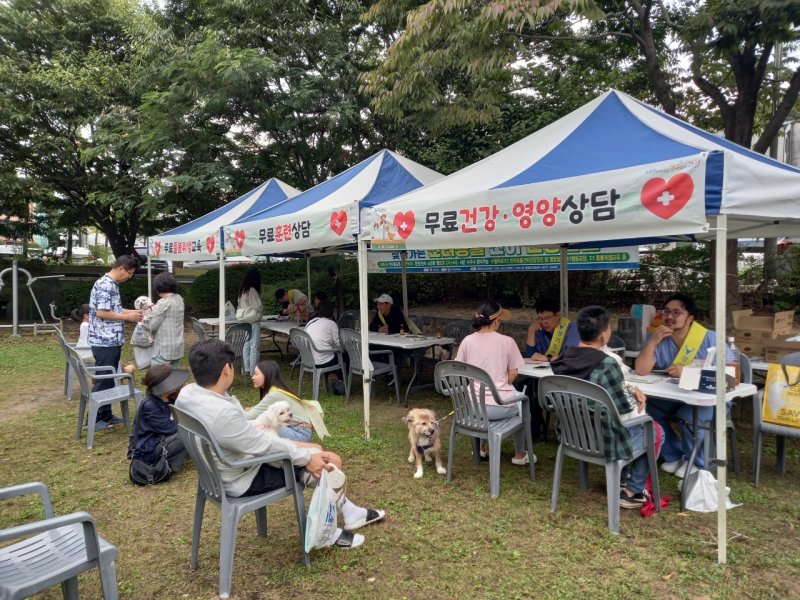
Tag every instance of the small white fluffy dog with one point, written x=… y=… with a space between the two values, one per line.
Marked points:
x=277 y=414
x=423 y=436
x=144 y=304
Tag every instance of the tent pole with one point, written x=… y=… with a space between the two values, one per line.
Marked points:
x=149 y=276
x=404 y=278
x=363 y=307
x=221 y=328
x=721 y=433
x=308 y=279
x=564 y=280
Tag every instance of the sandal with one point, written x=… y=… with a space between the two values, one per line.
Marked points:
x=373 y=516
x=348 y=539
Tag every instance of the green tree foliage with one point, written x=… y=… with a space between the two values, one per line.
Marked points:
x=453 y=62
x=272 y=86
x=71 y=85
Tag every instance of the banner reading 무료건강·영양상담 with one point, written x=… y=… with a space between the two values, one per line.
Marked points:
x=658 y=199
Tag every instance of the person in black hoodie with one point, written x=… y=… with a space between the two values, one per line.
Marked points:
x=155 y=421
x=589 y=362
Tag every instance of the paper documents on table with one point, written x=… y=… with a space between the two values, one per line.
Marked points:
x=537 y=363
x=633 y=378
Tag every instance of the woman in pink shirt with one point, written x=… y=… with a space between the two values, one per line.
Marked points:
x=500 y=357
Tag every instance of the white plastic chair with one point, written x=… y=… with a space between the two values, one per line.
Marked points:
x=305 y=346
x=351 y=342
x=205 y=451
x=583 y=410
x=92 y=401
x=467 y=387
x=55 y=550
x=781 y=432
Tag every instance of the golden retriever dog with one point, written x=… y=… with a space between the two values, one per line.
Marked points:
x=423 y=435
x=277 y=414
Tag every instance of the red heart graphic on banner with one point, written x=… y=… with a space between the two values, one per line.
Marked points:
x=404 y=223
x=339 y=222
x=239 y=238
x=666 y=198
x=210 y=244
x=157 y=248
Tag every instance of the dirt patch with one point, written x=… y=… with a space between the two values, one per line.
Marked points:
x=35 y=397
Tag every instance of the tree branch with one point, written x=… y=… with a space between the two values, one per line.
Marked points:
x=781 y=112
x=762 y=63
x=708 y=88
x=571 y=38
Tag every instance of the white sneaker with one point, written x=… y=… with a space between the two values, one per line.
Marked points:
x=672 y=467
x=524 y=460
x=681 y=473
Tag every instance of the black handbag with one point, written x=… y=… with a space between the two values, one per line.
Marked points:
x=141 y=472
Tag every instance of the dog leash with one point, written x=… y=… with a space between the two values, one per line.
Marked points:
x=452 y=412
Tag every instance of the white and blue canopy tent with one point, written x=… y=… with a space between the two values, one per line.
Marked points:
x=615 y=169
x=325 y=217
x=319 y=218
x=203 y=238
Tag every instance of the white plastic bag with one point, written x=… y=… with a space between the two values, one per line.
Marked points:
x=321 y=516
x=141 y=336
x=143 y=356
x=230 y=311
x=703 y=494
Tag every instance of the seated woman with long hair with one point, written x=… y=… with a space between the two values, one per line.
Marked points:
x=499 y=356
x=272 y=388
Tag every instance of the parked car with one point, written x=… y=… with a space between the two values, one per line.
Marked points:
x=156 y=264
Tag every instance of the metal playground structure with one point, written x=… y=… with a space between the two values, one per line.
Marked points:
x=15 y=270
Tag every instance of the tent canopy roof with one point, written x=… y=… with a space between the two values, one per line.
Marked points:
x=271 y=192
x=381 y=177
x=614 y=139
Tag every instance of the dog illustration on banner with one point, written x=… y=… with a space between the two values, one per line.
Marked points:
x=234 y=240
x=383 y=228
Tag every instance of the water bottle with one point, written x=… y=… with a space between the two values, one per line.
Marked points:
x=737 y=368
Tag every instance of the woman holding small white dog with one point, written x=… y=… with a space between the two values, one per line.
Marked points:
x=499 y=356
x=272 y=388
x=165 y=322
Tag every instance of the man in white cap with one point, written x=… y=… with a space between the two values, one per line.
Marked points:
x=389 y=318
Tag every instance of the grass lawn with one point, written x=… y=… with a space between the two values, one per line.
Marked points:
x=439 y=540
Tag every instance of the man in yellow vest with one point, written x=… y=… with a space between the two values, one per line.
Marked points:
x=550 y=333
x=675 y=343
x=548 y=336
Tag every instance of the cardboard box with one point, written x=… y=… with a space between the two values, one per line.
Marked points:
x=751 y=349
x=779 y=348
x=762 y=328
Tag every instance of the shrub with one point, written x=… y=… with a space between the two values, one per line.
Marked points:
x=74 y=293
